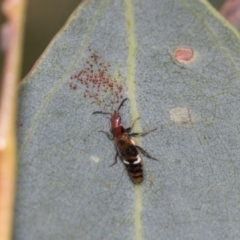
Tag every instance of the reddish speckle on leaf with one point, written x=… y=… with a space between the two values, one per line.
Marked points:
x=97 y=81
x=183 y=54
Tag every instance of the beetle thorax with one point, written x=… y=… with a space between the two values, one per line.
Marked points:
x=115 y=120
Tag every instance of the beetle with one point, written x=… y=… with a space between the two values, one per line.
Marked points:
x=125 y=146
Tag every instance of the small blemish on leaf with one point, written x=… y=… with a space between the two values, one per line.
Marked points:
x=184 y=55
x=180 y=115
x=150 y=179
x=19 y=124
x=95 y=158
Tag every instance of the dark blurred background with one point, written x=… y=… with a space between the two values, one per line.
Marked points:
x=44 y=19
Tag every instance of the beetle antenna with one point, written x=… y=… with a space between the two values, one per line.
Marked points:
x=100 y=112
x=122 y=103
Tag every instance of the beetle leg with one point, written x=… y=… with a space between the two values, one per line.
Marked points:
x=115 y=159
x=108 y=135
x=145 y=153
x=141 y=134
x=128 y=130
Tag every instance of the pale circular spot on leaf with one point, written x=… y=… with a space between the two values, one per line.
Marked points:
x=95 y=158
x=180 y=115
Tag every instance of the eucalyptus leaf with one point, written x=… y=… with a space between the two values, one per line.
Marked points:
x=109 y=50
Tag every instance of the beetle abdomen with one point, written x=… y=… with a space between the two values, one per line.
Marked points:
x=135 y=171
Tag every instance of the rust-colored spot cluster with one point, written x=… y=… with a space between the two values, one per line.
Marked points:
x=96 y=81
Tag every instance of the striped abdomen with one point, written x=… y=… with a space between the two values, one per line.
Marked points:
x=135 y=171
x=132 y=160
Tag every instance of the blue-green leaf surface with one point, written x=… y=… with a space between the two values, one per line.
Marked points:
x=66 y=189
